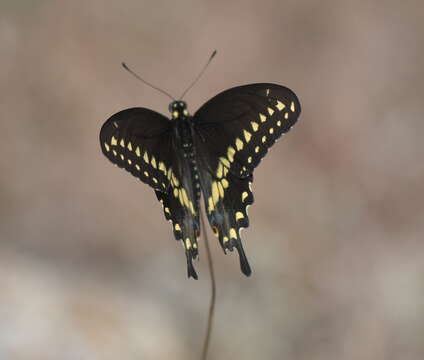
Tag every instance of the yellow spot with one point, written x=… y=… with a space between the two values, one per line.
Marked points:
x=177 y=227
x=146 y=174
x=115 y=124
x=233 y=234
x=192 y=208
x=153 y=162
x=278 y=123
x=137 y=167
x=292 y=106
x=230 y=153
x=247 y=135
x=221 y=190
x=280 y=106
x=194 y=245
x=286 y=115
x=162 y=167
x=180 y=196
x=210 y=205
x=225 y=171
x=122 y=143
x=224 y=183
x=225 y=162
x=256 y=149
x=169 y=174
x=129 y=161
x=239 y=215
x=263 y=139
x=267 y=92
x=176 y=193
x=215 y=192
x=271 y=131
x=167 y=210
x=174 y=180
x=262 y=117
x=249 y=159
x=107 y=147
x=185 y=198
x=145 y=157
x=255 y=126
x=185 y=112
x=113 y=141
x=155 y=180
x=137 y=151
x=188 y=243
x=270 y=111
x=220 y=170
x=239 y=144
x=244 y=196
x=129 y=146
x=175 y=114
x=225 y=239
x=122 y=157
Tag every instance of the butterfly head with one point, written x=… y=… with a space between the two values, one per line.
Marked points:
x=178 y=109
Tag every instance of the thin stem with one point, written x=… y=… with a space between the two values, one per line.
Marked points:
x=213 y=291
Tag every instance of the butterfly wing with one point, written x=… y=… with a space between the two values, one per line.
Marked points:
x=140 y=141
x=182 y=211
x=234 y=131
x=144 y=143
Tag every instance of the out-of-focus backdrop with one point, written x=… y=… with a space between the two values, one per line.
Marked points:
x=89 y=268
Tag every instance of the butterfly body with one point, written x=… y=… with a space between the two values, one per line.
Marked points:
x=212 y=153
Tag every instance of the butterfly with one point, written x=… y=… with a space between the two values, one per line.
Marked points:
x=212 y=153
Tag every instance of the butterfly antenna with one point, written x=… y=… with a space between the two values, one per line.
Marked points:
x=198 y=76
x=144 y=81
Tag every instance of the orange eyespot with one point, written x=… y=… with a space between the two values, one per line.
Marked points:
x=215 y=230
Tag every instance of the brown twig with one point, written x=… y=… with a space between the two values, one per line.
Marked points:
x=213 y=291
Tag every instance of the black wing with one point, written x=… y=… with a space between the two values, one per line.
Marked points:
x=143 y=142
x=140 y=141
x=234 y=131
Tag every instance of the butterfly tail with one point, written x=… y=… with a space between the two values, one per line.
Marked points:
x=244 y=263
x=191 y=272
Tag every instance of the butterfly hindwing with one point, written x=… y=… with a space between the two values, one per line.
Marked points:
x=227 y=198
x=185 y=224
x=140 y=141
x=180 y=205
x=234 y=131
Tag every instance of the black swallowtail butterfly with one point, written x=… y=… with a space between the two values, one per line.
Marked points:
x=213 y=152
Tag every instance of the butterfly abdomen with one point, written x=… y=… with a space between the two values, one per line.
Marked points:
x=185 y=134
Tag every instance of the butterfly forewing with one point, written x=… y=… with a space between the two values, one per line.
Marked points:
x=140 y=141
x=234 y=131
x=145 y=144
x=239 y=125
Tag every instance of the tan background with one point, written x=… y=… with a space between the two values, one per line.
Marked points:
x=88 y=265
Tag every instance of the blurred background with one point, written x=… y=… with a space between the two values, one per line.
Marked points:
x=89 y=268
